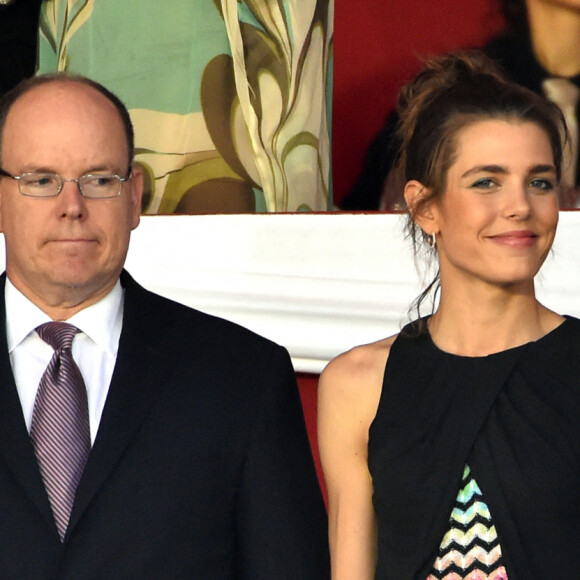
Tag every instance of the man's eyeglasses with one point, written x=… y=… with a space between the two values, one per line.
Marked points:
x=37 y=184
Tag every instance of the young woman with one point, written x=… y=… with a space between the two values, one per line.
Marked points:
x=452 y=450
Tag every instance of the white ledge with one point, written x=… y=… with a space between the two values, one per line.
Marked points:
x=315 y=283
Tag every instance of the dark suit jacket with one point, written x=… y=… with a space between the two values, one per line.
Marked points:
x=201 y=467
x=18 y=42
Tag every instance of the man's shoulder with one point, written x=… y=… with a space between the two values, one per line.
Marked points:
x=184 y=321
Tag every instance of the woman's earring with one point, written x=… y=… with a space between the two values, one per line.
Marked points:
x=432 y=241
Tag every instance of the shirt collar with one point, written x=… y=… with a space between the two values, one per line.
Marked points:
x=101 y=322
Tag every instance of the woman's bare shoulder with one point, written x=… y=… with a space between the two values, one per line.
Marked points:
x=362 y=359
x=357 y=374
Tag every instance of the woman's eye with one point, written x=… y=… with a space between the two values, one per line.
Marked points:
x=484 y=183
x=543 y=184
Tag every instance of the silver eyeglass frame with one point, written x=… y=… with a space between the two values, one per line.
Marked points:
x=63 y=180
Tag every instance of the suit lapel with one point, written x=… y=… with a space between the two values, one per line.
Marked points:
x=144 y=360
x=15 y=447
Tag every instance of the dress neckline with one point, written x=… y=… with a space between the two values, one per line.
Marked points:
x=542 y=340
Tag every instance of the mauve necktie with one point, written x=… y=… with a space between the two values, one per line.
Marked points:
x=60 y=423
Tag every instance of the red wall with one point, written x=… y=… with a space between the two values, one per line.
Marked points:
x=308 y=385
x=376 y=48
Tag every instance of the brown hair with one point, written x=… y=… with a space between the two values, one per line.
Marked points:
x=450 y=93
x=27 y=85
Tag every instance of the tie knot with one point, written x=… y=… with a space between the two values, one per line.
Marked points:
x=57 y=334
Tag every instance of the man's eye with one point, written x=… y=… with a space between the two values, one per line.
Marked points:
x=39 y=181
x=101 y=181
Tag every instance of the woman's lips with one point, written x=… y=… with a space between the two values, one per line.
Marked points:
x=516 y=238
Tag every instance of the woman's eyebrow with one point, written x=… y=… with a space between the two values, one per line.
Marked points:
x=541 y=168
x=486 y=169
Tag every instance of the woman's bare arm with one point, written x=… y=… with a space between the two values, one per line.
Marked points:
x=349 y=393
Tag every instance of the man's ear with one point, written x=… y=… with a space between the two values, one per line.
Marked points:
x=136 y=193
x=423 y=214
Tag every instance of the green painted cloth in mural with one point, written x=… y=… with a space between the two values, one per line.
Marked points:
x=229 y=99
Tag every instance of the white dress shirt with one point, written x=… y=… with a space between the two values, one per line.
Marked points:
x=94 y=348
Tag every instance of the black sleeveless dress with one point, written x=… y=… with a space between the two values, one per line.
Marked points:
x=512 y=419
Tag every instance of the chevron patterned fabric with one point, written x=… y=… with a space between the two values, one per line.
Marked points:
x=470 y=550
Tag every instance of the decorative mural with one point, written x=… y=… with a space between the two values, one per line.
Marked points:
x=230 y=99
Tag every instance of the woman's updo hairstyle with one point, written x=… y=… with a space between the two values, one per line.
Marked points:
x=450 y=93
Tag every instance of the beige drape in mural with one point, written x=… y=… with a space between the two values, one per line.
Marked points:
x=229 y=99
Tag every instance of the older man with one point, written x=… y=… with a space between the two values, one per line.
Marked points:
x=140 y=438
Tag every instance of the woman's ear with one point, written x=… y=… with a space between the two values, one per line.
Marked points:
x=423 y=214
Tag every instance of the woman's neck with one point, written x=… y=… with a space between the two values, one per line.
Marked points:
x=555 y=36
x=486 y=322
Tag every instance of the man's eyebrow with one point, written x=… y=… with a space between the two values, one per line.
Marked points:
x=101 y=168
x=36 y=169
